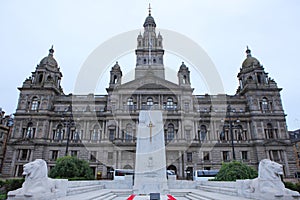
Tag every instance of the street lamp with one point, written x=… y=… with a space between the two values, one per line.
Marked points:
x=69 y=122
x=231 y=130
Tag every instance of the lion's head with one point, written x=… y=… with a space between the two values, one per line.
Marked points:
x=35 y=169
x=270 y=170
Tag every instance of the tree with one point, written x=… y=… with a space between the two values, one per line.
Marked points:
x=235 y=170
x=71 y=167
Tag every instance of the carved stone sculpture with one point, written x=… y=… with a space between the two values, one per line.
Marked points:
x=268 y=184
x=37 y=185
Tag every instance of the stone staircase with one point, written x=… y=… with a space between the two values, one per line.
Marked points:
x=93 y=190
x=226 y=188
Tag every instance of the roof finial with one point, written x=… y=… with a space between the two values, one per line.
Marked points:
x=248 y=52
x=51 y=51
x=149 y=9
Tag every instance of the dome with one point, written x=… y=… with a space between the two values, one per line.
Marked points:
x=250 y=61
x=49 y=60
x=149 y=21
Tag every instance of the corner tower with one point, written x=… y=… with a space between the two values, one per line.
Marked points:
x=149 y=52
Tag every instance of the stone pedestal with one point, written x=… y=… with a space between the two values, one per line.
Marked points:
x=150 y=164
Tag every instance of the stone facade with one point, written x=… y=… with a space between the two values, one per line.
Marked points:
x=102 y=128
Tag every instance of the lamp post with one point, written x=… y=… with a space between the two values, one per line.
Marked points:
x=69 y=123
x=231 y=131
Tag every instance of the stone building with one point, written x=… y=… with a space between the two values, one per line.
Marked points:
x=6 y=124
x=201 y=130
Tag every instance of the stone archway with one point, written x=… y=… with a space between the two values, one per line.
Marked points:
x=172 y=167
x=127 y=167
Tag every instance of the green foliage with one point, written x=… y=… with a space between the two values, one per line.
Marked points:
x=292 y=186
x=73 y=168
x=9 y=185
x=235 y=170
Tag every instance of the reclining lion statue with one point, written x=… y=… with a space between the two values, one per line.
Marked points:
x=268 y=184
x=37 y=185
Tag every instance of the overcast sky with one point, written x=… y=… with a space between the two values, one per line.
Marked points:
x=222 y=28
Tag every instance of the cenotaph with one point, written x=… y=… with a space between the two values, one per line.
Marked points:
x=150 y=163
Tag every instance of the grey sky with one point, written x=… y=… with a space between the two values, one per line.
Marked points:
x=221 y=28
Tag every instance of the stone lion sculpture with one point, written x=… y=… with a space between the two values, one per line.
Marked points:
x=268 y=184
x=37 y=185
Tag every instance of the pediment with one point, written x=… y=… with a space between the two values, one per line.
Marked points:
x=150 y=82
x=23 y=141
x=275 y=143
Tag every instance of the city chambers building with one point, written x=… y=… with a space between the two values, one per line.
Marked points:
x=201 y=131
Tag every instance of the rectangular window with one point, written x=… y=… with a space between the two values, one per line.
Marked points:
x=74 y=153
x=19 y=170
x=93 y=156
x=244 y=155
x=188 y=135
x=186 y=106
x=111 y=135
x=225 y=155
x=189 y=157
x=54 y=155
x=24 y=154
x=205 y=155
x=110 y=155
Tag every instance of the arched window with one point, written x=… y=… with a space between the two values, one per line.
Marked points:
x=202 y=133
x=149 y=103
x=170 y=103
x=269 y=131
x=96 y=133
x=170 y=132
x=128 y=132
x=58 y=134
x=77 y=136
x=130 y=101
x=34 y=103
x=40 y=78
x=264 y=104
x=239 y=133
x=184 y=79
x=115 y=79
x=29 y=130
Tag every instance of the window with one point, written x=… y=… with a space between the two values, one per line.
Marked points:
x=110 y=155
x=130 y=102
x=149 y=103
x=170 y=132
x=188 y=135
x=95 y=133
x=58 y=133
x=186 y=106
x=275 y=155
x=239 y=134
x=170 y=103
x=111 y=136
x=269 y=132
x=77 y=136
x=74 y=153
x=19 y=171
x=222 y=135
x=129 y=133
x=202 y=133
x=34 y=103
x=29 y=131
x=93 y=156
x=24 y=154
x=206 y=156
x=54 y=155
x=264 y=105
x=225 y=155
x=189 y=157
x=244 y=155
